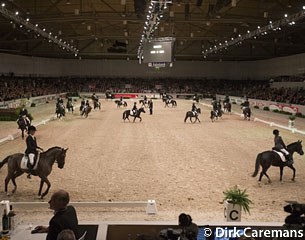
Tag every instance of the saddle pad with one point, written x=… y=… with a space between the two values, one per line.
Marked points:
x=281 y=155
x=24 y=162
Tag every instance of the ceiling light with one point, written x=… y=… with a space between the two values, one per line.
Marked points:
x=286 y=15
x=3 y=5
x=16 y=13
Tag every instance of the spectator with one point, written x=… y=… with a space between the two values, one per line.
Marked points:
x=66 y=234
x=64 y=216
x=189 y=229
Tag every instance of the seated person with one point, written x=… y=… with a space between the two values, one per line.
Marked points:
x=64 y=216
x=189 y=229
x=66 y=234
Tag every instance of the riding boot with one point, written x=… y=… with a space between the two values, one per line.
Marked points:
x=289 y=159
x=30 y=171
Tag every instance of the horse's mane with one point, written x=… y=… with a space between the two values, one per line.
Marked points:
x=294 y=143
x=52 y=148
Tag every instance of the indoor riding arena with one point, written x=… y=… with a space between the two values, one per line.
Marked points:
x=187 y=73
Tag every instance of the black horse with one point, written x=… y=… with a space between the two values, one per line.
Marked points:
x=144 y=103
x=191 y=114
x=60 y=110
x=96 y=104
x=85 y=111
x=70 y=106
x=271 y=158
x=227 y=107
x=23 y=123
x=44 y=167
x=170 y=101
x=137 y=114
x=247 y=113
x=120 y=103
x=216 y=114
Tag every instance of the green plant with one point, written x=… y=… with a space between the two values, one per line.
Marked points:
x=257 y=107
x=233 y=102
x=276 y=111
x=237 y=196
x=266 y=108
x=298 y=114
x=292 y=118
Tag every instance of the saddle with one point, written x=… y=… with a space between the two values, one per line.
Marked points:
x=24 y=164
x=281 y=155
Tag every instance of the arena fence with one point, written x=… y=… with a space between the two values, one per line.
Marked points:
x=271 y=124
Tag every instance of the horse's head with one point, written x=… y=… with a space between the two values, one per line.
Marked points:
x=198 y=110
x=61 y=158
x=296 y=147
x=141 y=110
x=299 y=148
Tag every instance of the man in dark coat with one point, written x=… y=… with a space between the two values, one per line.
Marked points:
x=151 y=106
x=65 y=217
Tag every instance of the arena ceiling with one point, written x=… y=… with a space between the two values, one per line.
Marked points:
x=111 y=29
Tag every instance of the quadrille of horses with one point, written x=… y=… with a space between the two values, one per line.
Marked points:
x=270 y=158
x=44 y=167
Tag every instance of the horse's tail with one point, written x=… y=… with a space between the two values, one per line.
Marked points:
x=4 y=161
x=124 y=115
x=258 y=161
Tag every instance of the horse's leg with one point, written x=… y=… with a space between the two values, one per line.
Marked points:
x=45 y=179
x=185 y=118
x=17 y=174
x=293 y=169
x=281 y=173
x=7 y=180
x=197 y=119
x=40 y=187
x=22 y=133
x=140 y=119
x=191 y=120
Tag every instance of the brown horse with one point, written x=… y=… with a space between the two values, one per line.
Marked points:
x=44 y=168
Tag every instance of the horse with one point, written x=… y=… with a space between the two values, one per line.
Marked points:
x=170 y=101
x=96 y=104
x=85 y=111
x=143 y=102
x=227 y=107
x=271 y=158
x=60 y=110
x=23 y=124
x=127 y=113
x=70 y=106
x=121 y=103
x=44 y=167
x=191 y=114
x=247 y=113
x=216 y=114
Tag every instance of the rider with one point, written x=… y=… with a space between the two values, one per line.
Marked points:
x=246 y=104
x=145 y=98
x=134 y=108
x=214 y=104
x=227 y=99
x=60 y=100
x=31 y=149
x=279 y=145
x=121 y=100
x=82 y=104
x=194 y=109
x=23 y=114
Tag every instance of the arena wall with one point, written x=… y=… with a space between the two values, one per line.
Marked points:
x=258 y=70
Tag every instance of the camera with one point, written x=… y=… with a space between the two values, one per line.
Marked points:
x=296 y=211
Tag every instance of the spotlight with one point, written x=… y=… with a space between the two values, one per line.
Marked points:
x=286 y=15
x=27 y=19
x=16 y=13
x=3 y=5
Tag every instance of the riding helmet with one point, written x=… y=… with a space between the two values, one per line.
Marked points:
x=276 y=132
x=32 y=128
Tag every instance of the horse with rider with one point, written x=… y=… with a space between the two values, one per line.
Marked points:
x=216 y=112
x=193 y=114
x=134 y=112
x=23 y=120
x=246 y=111
x=280 y=156
x=60 y=110
x=85 y=108
x=96 y=102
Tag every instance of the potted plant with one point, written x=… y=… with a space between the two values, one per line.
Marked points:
x=235 y=201
x=291 y=122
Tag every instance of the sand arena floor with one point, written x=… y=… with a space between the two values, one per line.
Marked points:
x=185 y=167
